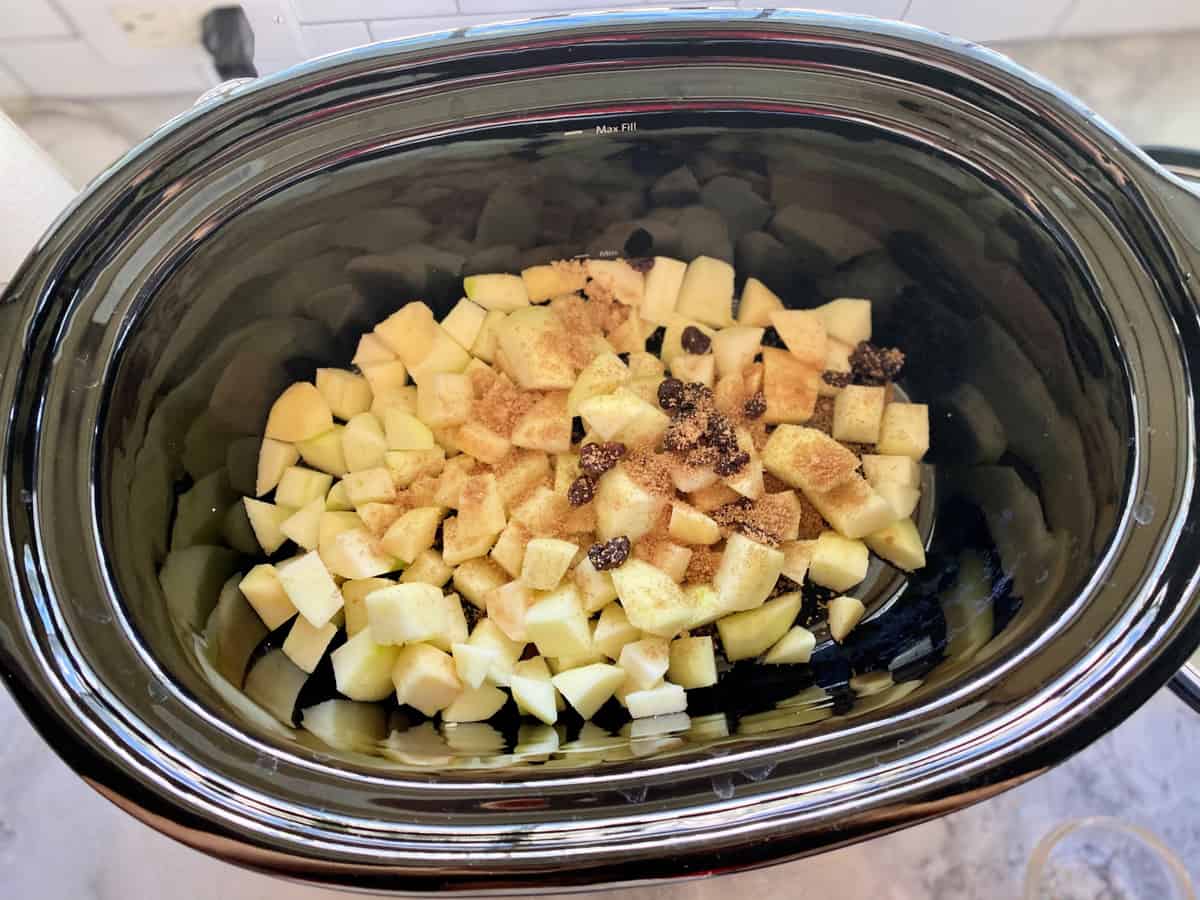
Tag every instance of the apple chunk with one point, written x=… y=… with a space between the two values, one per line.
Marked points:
x=274 y=458
x=300 y=413
x=310 y=587
x=587 y=688
x=533 y=342
x=652 y=601
x=558 y=625
x=501 y=292
x=425 y=678
x=757 y=303
x=900 y=544
x=545 y=563
x=858 y=414
x=362 y=668
x=707 y=292
x=807 y=458
x=693 y=662
x=904 y=430
x=747 y=572
x=624 y=507
x=838 y=563
x=745 y=635
x=844 y=614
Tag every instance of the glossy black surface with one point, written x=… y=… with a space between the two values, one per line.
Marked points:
x=1035 y=268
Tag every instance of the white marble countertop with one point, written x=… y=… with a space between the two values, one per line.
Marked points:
x=59 y=839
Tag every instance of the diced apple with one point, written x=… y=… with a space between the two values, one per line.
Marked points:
x=707 y=605
x=346 y=393
x=304 y=525
x=473 y=663
x=445 y=355
x=804 y=334
x=747 y=572
x=603 y=375
x=904 y=430
x=847 y=319
x=645 y=662
x=355 y=553
x=520 y=474
x=566 y=470
x=808 y=459
x=475 y=577
x=458 y=547
x=488 y=338
x=262 y=589
x=404 y=398
x=266 y=519
x=605 y=415
x=425 y=678
x=624 y=507
x=661 y=292
x=509 y=549
x=406 y=466
x=657 y=701
x=713 y=496
x=464 y=322
x=543 y=511
x=451 y=480
x=363 y=443
x=404 y=431
x=837 y=359
x=626 y=284
x=300 y=413
x=274 y=683
x=757 y=303
x=545 y=426
x=588 y=688
x=693 y=368
x=748 y=481
x=477 y=704
x=507 y=605
x=745 y=635
x=596 y=587
x=372 y=351
x=333 y=523
x=844 y=614
x=645 y=365
x=707 y=292
x=901 y=498
x=354 y=595
x=370 y=486
x=306 y=643
x=324 y=452
x=900 y=544
x=881 y=469
x=628 y=337
x=478 y=441
x=838 y=563
x=670 y=558
x=689 y=479
x=793 y=648
x=797 y=556
x=362 y=668
x=310 y=587
x=337 y=500
x=691 y=526
x=274 y=458
x=858 y=413
x=652 y=601
x=499 y=291
x=489 y=636
x=415 y=613
x=544 y=564
x=299 y=486
x=672 y=343
x=413 y=533
x=558 y=625
x=532 y=342
x=385 y=379
x=408 y=332
x=735 y=348
x=693 y=662
x=789 y=386
x=552 y=280
x=536 y=697
x=853 y=508
x=443 y=399
x=613 y=631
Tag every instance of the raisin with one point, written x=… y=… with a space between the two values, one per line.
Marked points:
x=695 y=341
x=642 y=264
x=836 y=379
x=596 y=459
x=875 y=365
x=581 y=491
x=731 y=465
x=670 y=393
x=720 y=433
x=755 y=406
x=609 y=554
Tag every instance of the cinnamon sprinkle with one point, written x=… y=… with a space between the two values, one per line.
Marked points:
x=650 y=470
x=703 y=564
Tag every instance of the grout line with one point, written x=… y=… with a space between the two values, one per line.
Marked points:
x=54 y=5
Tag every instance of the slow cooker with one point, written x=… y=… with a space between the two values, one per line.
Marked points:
x=1035 y=266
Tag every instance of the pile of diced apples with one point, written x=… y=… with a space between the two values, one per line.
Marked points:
x=337 y=453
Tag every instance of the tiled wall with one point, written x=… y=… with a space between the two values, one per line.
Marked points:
x=76 y=48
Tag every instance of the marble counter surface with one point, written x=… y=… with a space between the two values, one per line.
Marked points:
x=58 y=839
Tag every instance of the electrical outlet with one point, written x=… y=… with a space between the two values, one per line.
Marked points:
x=159 y=26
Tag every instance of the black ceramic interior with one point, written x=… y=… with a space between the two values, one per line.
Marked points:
x=1016 y=258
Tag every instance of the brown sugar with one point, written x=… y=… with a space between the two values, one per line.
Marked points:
x=767 y=520
x=650 y=470
x=822 y=417
x=822 y=462
x=703 y=564
x=502 y=405
x=811 y=521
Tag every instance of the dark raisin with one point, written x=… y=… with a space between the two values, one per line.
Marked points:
x=642 y=264
x=731 y=465
x=837 y=379
x=581 y=491
x=596 y=459
x=755 y=406
x=875 y=365
x=679 y=436
x=695 y=341
x=697 y=394
x=670 y=393
x=720 y=433
x=609 y=554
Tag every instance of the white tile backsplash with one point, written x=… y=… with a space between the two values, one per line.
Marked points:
x=31 y=19
x=75 y=48
x=10 y=87
x=1123 y=16
x=348 y=10
x=988 y=22
x=334 y=36
x=72 y=68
